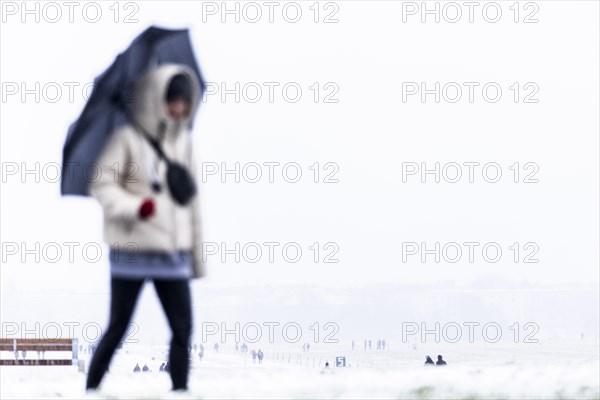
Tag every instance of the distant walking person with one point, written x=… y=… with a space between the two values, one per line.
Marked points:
x=440 y=361
x=429 y=361
x=260 y=356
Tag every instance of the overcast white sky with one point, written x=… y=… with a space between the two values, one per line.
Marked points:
x=368 y=134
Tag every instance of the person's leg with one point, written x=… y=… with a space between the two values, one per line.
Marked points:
x=176 y=300
x=123 y=296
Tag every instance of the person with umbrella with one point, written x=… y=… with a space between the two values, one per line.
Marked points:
x=146 y=187
x=154 y=235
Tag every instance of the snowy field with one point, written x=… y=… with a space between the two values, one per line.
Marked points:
x=475 y=371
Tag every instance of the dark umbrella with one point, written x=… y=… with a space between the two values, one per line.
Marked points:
x=109 y=105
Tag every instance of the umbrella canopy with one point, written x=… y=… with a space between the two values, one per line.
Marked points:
x=110 y=104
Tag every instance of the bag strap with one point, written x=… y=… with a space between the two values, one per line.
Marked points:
x=156 y=146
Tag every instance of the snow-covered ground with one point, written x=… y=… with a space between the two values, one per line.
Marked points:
x=475 y=371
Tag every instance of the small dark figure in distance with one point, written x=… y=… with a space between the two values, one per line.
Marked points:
x=440 y=361
x=137 y=368
x=260 y=356
x=429 y=361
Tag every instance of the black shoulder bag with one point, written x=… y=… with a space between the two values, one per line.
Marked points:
x=180 y=182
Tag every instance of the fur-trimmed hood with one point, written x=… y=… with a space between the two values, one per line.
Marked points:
x=150 y=104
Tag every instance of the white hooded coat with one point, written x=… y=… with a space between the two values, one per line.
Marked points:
x=129 y=165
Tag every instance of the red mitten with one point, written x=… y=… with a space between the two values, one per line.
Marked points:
x=147 y=208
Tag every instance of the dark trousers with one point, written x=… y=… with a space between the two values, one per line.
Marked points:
x=175 y=298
